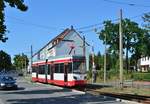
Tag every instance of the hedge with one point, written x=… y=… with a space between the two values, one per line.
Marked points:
x=141 y=76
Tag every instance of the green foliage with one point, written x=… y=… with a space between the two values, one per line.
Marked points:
x=100 y=74
x=146 y=19
x=141 y=76
x=135 y=39
x=5 y=61
x=21 y=61
x=113 y=74
x=89 y=74
x=13 y=3
x=98 y=60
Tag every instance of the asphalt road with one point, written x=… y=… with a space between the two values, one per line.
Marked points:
x=35 y=93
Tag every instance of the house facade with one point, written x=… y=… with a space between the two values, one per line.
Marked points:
x=69 y=42
x=144 y=64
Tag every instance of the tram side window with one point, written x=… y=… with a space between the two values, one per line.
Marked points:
x=61 y=68
x=42 y=69
x=49 y=69
x=56 y=68
x=34 y=68
x=70 y=68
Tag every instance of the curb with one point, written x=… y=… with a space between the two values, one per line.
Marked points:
x=81 y=92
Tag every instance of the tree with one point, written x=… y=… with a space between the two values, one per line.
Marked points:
x=146 y=19
x=141 y=47
x=13 y=3
x=98 y=60
x=5 y=61
x=21 y=61
x=133 y=37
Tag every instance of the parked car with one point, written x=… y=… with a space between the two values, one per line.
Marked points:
x=7 y=82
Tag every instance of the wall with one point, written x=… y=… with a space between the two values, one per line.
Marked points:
x=64 y=47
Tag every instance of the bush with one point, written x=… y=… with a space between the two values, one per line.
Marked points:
x=89 y=74
x=141 y=76
x=113 y=74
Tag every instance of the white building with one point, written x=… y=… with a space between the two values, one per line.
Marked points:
x=144 y=64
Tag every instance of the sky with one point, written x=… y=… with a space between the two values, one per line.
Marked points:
x=45 y=19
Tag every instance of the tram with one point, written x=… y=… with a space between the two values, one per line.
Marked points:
x=63 y=71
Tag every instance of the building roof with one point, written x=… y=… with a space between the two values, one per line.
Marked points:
x=59 y=38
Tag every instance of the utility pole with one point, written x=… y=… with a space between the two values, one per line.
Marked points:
x=31 y=59
x=25 y=66
x=105 y=61
x=84 y=51
x=121 y=50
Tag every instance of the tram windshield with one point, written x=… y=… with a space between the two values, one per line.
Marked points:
x=79 y=67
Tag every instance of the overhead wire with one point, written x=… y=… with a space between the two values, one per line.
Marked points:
x=93 y=27
x=24 y=22
x=55 y=28
x=125 y=3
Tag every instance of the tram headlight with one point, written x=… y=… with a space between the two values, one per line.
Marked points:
x=75 y=77
x=2 y=84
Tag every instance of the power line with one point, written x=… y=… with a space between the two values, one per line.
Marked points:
x=125 y=3
x=89 y=26
x=94 y=26
x=90 y=30
x=33 y=24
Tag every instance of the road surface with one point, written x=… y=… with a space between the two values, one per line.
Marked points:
x=35 y=93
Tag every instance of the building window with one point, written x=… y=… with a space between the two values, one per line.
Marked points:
x=142 y=59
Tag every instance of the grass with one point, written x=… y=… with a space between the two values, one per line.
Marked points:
x=133 y=91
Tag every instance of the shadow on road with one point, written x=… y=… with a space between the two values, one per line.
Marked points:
x=21 y=88
x=73 y=99
x=38 y=91
x=13 y=89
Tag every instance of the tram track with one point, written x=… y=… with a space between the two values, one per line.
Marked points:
x=92 y=89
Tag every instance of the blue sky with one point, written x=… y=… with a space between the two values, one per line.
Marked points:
x=46 y=18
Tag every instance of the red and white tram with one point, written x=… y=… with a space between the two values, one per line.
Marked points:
x=63 y=70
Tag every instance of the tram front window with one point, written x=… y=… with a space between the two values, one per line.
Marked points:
x=79 y=67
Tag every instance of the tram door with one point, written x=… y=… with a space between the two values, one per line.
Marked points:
x=52 y=72
x=46 y=71
x=65 y=72
x=37 y=71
